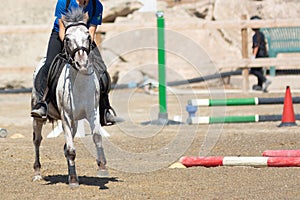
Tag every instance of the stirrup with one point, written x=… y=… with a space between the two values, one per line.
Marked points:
x=114 y=118
x=111 y=121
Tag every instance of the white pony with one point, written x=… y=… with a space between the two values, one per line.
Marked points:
x=77 y=96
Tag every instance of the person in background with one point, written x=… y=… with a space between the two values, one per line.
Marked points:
x=259 y=50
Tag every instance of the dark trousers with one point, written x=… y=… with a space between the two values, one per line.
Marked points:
x=258 y=72
x=55 y=46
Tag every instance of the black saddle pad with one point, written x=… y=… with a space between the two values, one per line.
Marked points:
x=53 y=75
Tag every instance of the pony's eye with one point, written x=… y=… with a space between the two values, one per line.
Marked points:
x=67 y=38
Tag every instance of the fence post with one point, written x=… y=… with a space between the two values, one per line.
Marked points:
x=245 y=55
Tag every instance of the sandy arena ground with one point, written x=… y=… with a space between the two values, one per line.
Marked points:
x=139 y=156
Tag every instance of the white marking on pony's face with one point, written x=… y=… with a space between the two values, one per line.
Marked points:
x=78 y=42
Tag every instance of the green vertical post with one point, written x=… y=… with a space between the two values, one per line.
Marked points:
x=161 y=64
x=162 y=87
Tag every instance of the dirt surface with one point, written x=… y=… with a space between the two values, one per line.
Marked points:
x=139 y=156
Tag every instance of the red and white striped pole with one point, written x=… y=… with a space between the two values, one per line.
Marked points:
x=215 y=161
x=281 y=153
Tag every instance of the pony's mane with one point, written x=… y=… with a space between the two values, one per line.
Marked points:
x=74 y=15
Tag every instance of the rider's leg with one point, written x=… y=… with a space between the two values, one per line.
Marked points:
x=55 y=46
x=107 y=113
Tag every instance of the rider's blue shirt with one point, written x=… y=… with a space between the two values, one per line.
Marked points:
x=61 y=10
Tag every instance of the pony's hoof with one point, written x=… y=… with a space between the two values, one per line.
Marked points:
x=103 y=173
x=74 y=185
x=73 y=181
x=37 y=178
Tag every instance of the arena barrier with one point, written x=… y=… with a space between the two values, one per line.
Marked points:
x=215 y=161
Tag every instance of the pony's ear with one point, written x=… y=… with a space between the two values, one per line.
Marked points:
x=86 y=17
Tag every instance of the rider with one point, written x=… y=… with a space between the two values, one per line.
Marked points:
x=94 y=9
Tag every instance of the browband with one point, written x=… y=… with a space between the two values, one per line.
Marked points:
x=76 y=24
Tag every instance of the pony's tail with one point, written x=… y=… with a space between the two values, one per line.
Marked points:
x=103 y=132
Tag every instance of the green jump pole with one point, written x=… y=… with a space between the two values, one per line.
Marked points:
x=223 y=102
x=239 y=101
x=232 y=119
x=221 y=119
x=235 y=119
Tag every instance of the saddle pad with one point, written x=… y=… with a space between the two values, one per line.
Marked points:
x=54 y=72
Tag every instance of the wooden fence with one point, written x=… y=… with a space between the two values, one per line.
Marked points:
x=241 y=24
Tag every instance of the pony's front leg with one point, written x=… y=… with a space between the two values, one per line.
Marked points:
x=97 y=138
x=101 y=160
x=70 y=128
x=37 y=139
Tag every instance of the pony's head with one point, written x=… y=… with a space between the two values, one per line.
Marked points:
x=77 y=41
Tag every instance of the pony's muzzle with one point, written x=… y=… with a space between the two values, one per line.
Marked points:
x=81 y=59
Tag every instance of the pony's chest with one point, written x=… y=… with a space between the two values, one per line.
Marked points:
x=77 y=87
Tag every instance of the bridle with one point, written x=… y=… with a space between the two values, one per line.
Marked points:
x=71 y=53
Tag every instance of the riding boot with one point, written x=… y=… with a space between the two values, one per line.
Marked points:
x=40 y=109
x=107 y=113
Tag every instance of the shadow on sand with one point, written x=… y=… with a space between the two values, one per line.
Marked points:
x=83 y=180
